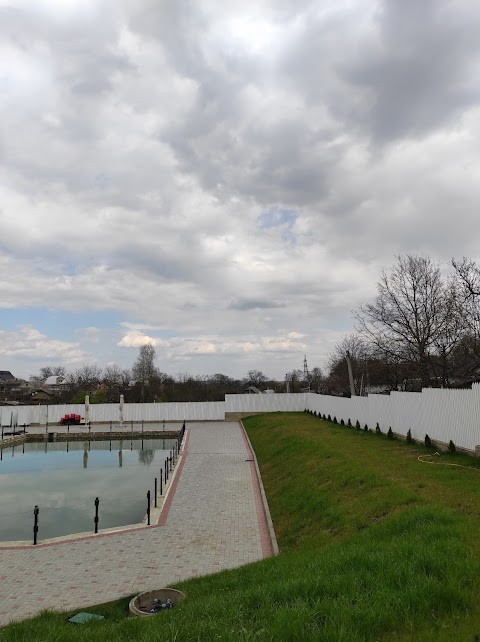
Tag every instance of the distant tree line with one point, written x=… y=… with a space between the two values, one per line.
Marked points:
x=422 y=329
x=145 y=382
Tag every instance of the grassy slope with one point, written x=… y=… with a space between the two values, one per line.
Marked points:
x=374 y=546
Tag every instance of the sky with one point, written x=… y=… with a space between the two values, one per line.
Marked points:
x=225 y=180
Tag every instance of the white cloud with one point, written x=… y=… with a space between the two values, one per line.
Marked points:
x=29 y=343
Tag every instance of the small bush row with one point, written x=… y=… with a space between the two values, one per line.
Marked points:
x=390 y=435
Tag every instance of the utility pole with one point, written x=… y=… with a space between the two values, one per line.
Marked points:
x=350 y=373
x=306 y=378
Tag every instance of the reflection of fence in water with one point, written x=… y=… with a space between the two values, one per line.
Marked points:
x=88 y=516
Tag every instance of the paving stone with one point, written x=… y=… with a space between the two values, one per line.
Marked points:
x=213 y=523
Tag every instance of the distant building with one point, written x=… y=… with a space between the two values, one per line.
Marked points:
x=55 y=383
x=42 y=394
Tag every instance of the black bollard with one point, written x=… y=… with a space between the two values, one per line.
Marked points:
x=36 y=510
x=166 y=471
x=155 y=495
x=68 y=429
x=89 y=427
x=97 y=502
x=2 y=432
x=148 y=507
x=161 y=481
x=142 y=426
x=110 y=427
x=132 y=425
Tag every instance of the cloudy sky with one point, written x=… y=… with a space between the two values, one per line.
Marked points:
x=225 y=179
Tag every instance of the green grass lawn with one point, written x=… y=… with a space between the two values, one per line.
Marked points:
x=374 y=545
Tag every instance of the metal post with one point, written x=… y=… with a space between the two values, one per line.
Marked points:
x=110 y=427
x=96 y=514
x=161 y=481
x=155 y=496
x=148 y=507
x=2 y=431
x=142 y=426
x=166 y=471
x=68 y=428
x=36 y=510
x=132 y=425
x=89 y=427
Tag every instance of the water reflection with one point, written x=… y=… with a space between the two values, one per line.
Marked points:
x=64 y=478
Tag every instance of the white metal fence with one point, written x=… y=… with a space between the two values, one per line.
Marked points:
x=442 y=414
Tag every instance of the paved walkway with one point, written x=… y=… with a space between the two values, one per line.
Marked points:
x=215 y=521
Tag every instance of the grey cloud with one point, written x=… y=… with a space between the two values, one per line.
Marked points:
x=254 y=304
x=422 y=73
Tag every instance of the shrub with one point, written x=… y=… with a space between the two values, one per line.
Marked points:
x=377 y=429
x=342 y=422
x=365 y=428
x=451 y=447
x=329 y=418
x=357 y=425
x=409 y=436
x=315 y=413
x=335 y=420
x=428 y=442
x=390 y=433
x=349 y=423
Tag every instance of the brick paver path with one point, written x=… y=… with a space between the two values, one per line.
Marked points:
x=215 y=521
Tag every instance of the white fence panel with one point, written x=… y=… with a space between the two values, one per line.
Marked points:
x=278 y=402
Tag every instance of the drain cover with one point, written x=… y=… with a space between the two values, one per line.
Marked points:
x=81 y=618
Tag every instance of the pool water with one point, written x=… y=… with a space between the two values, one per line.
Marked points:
x=64 y=478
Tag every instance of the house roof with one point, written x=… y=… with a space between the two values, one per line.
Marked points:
x=6 y=375
x=54 y=380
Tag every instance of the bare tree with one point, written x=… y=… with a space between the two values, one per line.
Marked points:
x=338 y=380
x=144 y=370
x=256 y=378
x=49 y=371
x=412 y=313
x=87 y=378
x=467 y=283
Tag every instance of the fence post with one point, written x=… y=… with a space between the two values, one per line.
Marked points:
x=148 y=507
x=96 y=514
x=36 y=510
